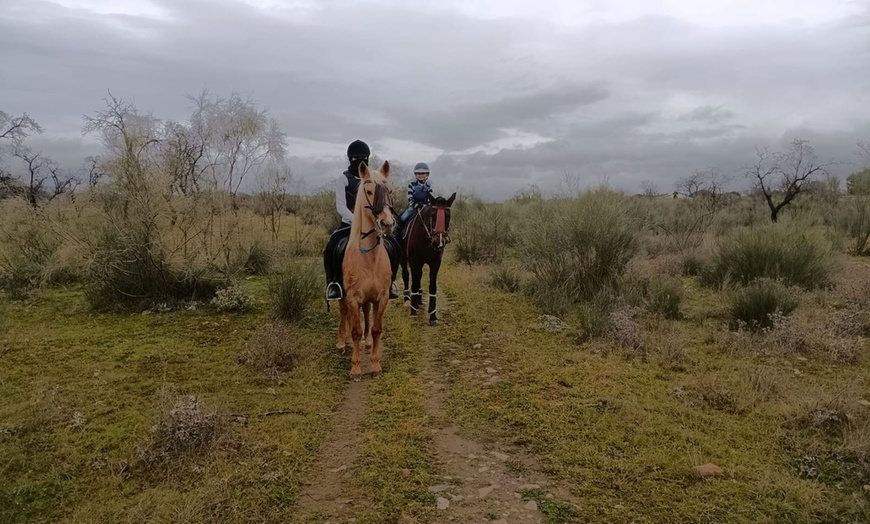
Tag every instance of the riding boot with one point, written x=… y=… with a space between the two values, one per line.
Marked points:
x=333 y=285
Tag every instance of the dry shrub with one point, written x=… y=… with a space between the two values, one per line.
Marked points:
x=757 y=305
x=708 y=392
x=762 y=383
x=793 y=253
x=294 y=290
x=506 y=278
x=184 y=427
x=624 y=329
x=233 y=298
x=675 y=357
x=579 y=249
x=271 y=351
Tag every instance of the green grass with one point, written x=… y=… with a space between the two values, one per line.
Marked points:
x=60 y=359
x=630 y=458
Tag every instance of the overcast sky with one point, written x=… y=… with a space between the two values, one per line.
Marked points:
x=494 y=94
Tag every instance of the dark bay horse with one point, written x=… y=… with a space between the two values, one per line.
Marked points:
x=423 y=244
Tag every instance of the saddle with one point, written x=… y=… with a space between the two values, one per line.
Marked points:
x=391 y=243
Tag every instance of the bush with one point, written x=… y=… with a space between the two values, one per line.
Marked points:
x=506 y=279
x=757 y=304
x=319 y=210
x=853 y=220
x=127 y=272
x=593 y=318
x=665 y=298
x=481 y=232
x=183 y=427
x=233 y=298
x=272 y=351
x=294 y=291
x=579 y=248
x=796 y=255
x=624 y=329
x=28 y=248
x=259 y=260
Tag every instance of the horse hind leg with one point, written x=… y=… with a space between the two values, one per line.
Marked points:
x=416 y=288
x=407 y=292
x=344 y=334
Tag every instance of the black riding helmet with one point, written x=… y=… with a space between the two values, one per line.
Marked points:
x=358 y=149
x=357 y=153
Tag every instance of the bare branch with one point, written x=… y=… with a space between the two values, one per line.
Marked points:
x=782 y=176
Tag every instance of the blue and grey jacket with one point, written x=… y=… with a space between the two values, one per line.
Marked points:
x=419 y=194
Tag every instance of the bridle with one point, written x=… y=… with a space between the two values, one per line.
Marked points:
x=383 y=199
x=437 y=234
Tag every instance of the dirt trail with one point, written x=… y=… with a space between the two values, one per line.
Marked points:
x=480 y=482
x=476 y=480
x=330 y=495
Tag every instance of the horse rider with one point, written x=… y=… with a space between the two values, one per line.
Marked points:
x=419 y=194
x=345 y=202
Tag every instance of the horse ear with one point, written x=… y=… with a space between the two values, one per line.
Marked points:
x=364 y=171
x=451 y=199
x=385 y=169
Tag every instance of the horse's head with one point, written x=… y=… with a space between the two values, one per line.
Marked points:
x=436 y=216
x=377 y=197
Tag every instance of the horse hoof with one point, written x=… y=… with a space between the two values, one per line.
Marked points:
x=356 y=378
x=340 y=345
x=377 y=374
x=433 y=322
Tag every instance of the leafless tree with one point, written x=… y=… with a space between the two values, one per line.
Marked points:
x=570 y=184
x=93 y=165
x=62 y=182
x=704 y=182
x=274 y=181
x=780 y=177
x=864 y=147
x=36 y=166
x=16 y=128
x=237 y=138
x=649 y=188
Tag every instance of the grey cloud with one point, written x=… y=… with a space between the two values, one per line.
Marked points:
x=708 y=113
x=470 y=125
x=653 y=97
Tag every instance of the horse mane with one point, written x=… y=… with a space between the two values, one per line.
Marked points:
x=359 y=210
x=439 y=201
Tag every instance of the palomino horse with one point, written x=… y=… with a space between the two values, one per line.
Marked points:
x=366 y=266
x=423 y=244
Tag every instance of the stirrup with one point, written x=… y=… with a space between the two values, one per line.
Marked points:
x=334 y=291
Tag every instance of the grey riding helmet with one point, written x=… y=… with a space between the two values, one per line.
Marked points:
x=421 y=167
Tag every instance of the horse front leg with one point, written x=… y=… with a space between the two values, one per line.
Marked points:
x=377 y=330
x=416 y=286
x=433 y=291
x=367 y=332
x=353 y=313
